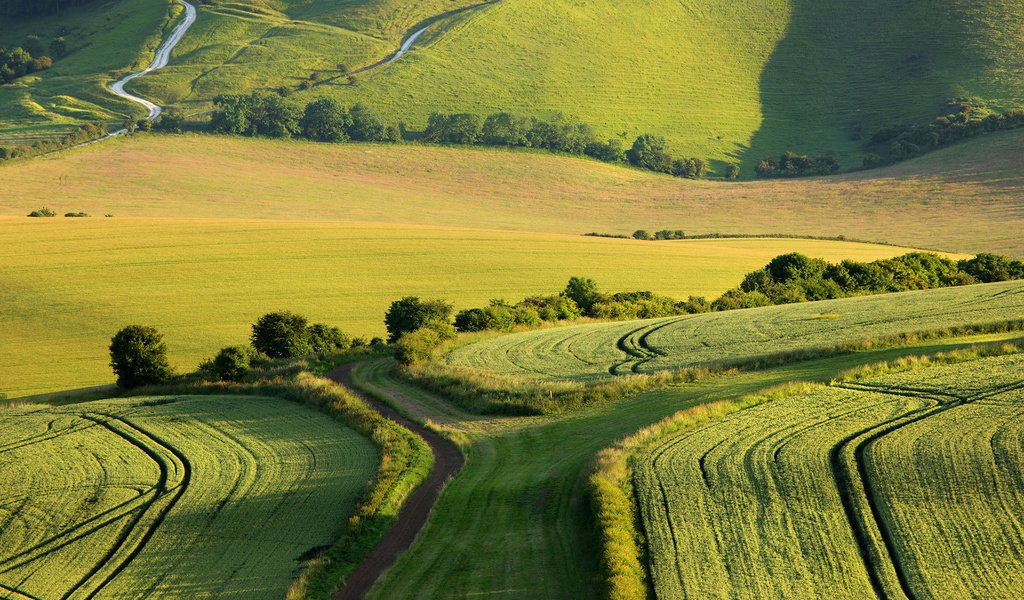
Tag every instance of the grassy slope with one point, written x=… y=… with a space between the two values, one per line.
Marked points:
x=763 y=513
x=726 y=80
x=103 y=39
x=590 y=352
x=246 y=460
x=515 y=522
x=234 y=47
x=70 y=284
x=966 y=198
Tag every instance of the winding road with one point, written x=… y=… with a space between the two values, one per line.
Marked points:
x=160 y=60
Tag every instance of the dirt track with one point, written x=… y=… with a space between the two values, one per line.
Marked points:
x=414 y=514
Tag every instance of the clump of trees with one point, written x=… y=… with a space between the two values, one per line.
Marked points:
x=269 y=114
x=664 y=234
x=791 y=164
x=285 y=334
x=31 y=56
x=138 y=356
x=964 y=118
x=42 y=212
x=794 y=277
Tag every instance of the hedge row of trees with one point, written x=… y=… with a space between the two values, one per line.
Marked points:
x=138 y=354
x=84 y=133
x=796 y=278
x=791 y=164
x=33 y=55
x=323 y=120
x=417 y=326
x=967 y=118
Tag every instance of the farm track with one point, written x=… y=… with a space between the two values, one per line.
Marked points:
x=448 y=461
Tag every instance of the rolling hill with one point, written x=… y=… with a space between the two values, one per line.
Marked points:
x=961 y=199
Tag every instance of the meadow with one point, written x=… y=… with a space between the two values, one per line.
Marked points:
x=595 y=351
x=845 y=491
x=69 y=284
x=961 y=199
x=159 y=495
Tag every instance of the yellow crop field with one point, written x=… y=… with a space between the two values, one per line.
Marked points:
x=69 y=284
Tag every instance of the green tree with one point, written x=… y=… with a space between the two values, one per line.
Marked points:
x=324 y=338
x=281 y=335
x=583 y=291
x=411 y=313
x=138 y=356
x=58 y=48
x=326 y=120
x=732 y=172
x=232 y=363
x=648 y=152
x=366 y=125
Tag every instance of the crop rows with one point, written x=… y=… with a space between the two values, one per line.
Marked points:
x=589 y=352
x=159 y=497
x=902 y=486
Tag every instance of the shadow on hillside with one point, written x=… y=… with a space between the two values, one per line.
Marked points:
x=845 y=69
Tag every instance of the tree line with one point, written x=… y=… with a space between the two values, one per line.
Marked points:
x=965 y=118
x=269 y=114
x=83 y=133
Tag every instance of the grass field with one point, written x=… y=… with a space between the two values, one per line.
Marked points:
x=849 y=491
x=591 y=352
x=516 y=522
x=70 y=284
x=159 y=496
x=963 y=199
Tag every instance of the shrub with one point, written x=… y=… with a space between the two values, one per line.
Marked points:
x=417 y=346
x=410 y=314
x=366 y=125
x=170 y=123
x=42 y=212
x=326 y=120
x=504 y=129
x=648 y=152
x=641 y=234
x=76 y=214
x=58 y=48
x=232 y=363
x=988 y=268
x=610 y=151
x=138 y=356
x=582 y=291
x=281 y=335
x=732 y=172
x=324 y=338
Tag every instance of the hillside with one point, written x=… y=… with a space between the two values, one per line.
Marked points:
x=732 y=81
x=967 y=198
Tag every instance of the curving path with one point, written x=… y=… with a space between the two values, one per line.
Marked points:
x=160 y=60
x=448 y=460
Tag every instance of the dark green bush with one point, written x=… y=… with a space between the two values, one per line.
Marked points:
x=138 y=356
x=42 y=212
x=281 y=335
x=410 y=314
x=232 y=363
x=324 y=338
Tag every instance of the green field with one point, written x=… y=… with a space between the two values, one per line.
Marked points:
x=171 y=497
x=517 y=521
x=962 y=199
x=595 y=351
x=849 y=491
x=70 y=284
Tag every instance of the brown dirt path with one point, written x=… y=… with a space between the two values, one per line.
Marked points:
x=448 y=460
